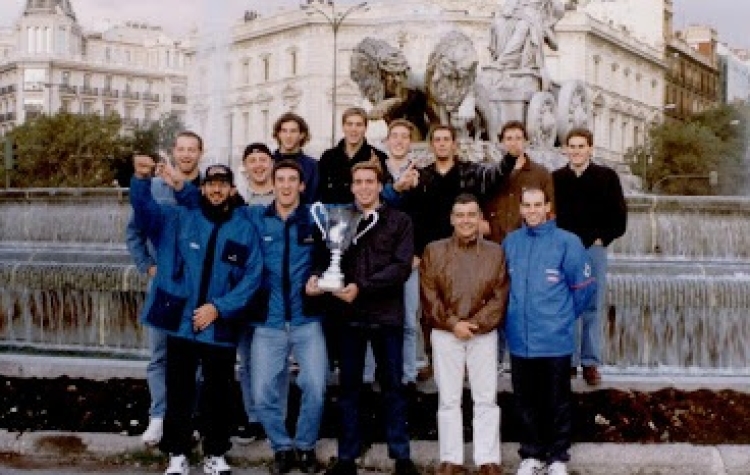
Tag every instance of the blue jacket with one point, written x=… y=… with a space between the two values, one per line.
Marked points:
x=180 y=237
x=550 y=285
x=140 y=249
x=282 y=298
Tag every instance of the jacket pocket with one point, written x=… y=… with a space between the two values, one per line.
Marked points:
x=235 y=254
x=166 y=310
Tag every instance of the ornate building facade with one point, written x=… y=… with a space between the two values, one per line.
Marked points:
x=49 y=64
x=284 y=62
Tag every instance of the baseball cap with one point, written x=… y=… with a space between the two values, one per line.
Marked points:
x=218 y=173
x=256 y=147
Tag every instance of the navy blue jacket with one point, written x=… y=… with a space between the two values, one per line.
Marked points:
x=287 y=262
x=180 y=236
x=550 y=285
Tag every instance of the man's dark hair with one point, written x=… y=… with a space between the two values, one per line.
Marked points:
x=547 y=198
x=438 y=127
x=466 y=198
x=580 y=132
x=284 y=164
x=191 y=134
x=292 y=117
x=513 y=125
x=373 y=164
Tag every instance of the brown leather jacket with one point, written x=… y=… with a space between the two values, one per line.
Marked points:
x=463 y=282
x=503 y=209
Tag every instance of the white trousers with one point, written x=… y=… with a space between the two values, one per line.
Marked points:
x=450 y=357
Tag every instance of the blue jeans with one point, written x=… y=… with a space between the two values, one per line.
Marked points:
x=589 y=328
x=387 y=345
x=269 y=364
x=411 y=323
x=243 y=352
x=156 y=372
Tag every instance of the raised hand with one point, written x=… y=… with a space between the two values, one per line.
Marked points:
x=170 y=175
x=143 y=166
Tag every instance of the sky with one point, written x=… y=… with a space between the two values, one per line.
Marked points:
x=729 y=17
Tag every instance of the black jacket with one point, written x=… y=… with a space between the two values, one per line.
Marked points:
x=379 y=263
x=429 y=204
x=591 y=206
x=335 y=171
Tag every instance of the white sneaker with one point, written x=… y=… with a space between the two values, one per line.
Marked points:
x=216 y=465
x=531 y=467
x=557 y=468
x=153 y=432
x=178 y=465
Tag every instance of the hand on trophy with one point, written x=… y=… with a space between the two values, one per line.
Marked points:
x=348 y=293
x=311 y=288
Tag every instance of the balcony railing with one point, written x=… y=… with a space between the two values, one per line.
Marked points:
x=130 y=123
x=90 y=91
x=67 y=89
x=131 y=95
x=149 y=96
x=8 y=89
x=176 y=99
x=107 y=92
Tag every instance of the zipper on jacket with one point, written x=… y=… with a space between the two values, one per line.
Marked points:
x=527 y=294
x=287 y=280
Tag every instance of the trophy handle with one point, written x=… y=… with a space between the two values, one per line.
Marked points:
x=369 y=226
x=313 y=210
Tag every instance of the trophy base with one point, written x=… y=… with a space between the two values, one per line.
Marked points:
x=331 y=284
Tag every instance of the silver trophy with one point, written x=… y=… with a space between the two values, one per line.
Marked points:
x=338 y=224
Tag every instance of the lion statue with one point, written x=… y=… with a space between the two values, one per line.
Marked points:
x=450 y=78
x=384 y=78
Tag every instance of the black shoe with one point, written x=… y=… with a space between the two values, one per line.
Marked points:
x=405 y=467
x=283 y=462
x=307 y=461
x=342 y=467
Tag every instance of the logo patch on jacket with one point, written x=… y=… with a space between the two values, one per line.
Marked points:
x=235 y=253
x=587 y=270
x=552 y=275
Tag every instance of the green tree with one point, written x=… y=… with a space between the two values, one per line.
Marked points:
x=66 y=150
x=679 y=156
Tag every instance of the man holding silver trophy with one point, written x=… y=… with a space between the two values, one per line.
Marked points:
x=363 y=260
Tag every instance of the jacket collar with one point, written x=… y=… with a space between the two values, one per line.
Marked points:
x=544 y=228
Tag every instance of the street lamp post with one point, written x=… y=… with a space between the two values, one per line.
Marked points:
x=335 y=20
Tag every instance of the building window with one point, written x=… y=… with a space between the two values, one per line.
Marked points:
x=108 y=83
x=66 y=78
x=88 y=107
x=87 y=80
x=266 y=68
x=108 y=54
x=246 y=71
x=293 y=62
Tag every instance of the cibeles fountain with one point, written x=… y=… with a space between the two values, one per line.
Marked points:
x=679 y=282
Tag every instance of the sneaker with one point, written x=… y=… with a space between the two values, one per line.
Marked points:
x=531 y=467
x=573 y=373
x=405 y=467
x=178 y=465
x=250 y=432
x=216 y=465
x=152 y=434
x=592 y=376
x=557 y=468
x=307 y=461
x=283 y=462
x=342 y=467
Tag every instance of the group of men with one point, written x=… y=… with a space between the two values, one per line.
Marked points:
x=474 y=245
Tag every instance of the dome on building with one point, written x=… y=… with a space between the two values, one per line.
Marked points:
x=34 y=7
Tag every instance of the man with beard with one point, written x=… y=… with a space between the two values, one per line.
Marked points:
x=209 y=267
x=186 y=153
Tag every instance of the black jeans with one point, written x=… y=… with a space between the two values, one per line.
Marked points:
x=215 y=401
x=541 y=389
x=388 y=349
